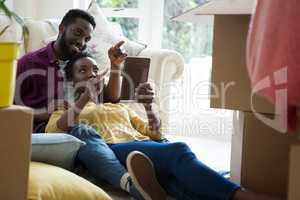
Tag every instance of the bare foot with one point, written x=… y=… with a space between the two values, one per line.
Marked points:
x=242 y=194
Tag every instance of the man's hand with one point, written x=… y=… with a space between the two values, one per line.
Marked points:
x=117 y=56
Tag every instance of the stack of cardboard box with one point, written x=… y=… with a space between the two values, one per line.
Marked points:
x=15 y=130
x=260 y=154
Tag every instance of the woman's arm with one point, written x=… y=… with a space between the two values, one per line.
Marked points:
x=145 y=95
x=153 y=118
x=112 y=91
x=70 y=116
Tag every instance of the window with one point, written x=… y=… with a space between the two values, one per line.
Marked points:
x=125 y=13
x=207 y=131
x=190 y=106
x=191 y=40
x=118 y=3
x=136 y=18
x=130 y=26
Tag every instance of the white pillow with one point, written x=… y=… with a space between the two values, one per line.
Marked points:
x=104 y=36
x=38 y=32
x=55 y=149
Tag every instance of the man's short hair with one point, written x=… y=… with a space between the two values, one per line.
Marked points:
x=71 y=16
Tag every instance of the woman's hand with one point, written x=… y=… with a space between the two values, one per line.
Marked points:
x=117 y=56
x=145 y=95
x=94 y=86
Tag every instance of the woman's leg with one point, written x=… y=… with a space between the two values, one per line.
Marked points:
x=97 y=157
x=178 y=160
x=103 y=164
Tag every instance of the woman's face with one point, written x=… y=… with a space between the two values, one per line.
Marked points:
x=84 y=69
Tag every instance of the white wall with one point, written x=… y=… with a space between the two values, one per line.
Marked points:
x=9 y=3
x=25 y=8
x=43 y=9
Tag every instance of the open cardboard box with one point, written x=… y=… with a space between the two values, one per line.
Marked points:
x=294 y=175
x=260 y=155
x=16 y=129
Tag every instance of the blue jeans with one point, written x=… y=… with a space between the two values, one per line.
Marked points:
x=179 y=171
x=97 y=157
x=177 y=168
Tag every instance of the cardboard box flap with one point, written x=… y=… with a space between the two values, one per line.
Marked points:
x=230 y=80
x=218 y=7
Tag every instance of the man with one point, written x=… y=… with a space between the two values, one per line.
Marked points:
x=40 y=85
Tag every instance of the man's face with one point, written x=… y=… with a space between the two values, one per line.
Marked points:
x=73 y=38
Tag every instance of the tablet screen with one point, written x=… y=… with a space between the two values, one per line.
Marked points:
x=136 y=70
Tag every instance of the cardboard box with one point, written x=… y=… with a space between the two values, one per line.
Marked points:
x=294 y=173
x=15 y=144
x=260 y=155
x=231 y=84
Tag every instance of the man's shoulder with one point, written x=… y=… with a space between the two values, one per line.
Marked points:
x=38 y=57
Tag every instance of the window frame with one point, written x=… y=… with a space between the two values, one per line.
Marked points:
x=149 y=30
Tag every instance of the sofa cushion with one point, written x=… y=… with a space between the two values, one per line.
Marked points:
x=56 y=149
x=38 y=32
x=47 y=182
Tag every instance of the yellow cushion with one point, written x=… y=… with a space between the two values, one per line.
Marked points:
x=47 y=182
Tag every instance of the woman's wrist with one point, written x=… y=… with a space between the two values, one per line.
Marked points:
x=82 y=101
x=115 y=68
x=148 y=106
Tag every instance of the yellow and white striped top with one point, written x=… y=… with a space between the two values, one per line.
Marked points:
x=115 y=123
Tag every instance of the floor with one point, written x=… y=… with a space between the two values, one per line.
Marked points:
x=214 y=153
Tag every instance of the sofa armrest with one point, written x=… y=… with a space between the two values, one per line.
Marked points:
x=166 y=66
x=164 y=63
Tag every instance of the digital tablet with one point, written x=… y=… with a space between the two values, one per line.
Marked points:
x=135 y=71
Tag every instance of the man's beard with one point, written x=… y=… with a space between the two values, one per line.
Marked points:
x=65 y=49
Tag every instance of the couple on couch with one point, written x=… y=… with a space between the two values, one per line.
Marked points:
x=115 y=136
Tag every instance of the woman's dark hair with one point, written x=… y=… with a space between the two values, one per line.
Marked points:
x=71 y=16
x=69 y=67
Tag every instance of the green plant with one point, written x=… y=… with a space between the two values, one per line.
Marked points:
x=12 y=15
